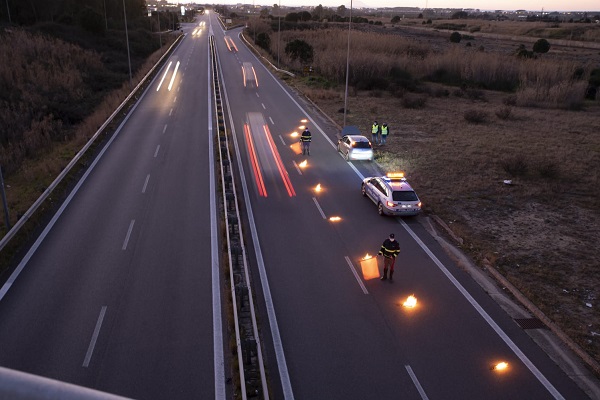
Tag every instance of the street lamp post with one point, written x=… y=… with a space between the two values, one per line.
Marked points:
x=6 y=218
x=279 y=32
x=127 y=38
x=8 y=11
x=347 y=65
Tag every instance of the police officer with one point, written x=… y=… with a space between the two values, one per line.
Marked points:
x=375 y=132
x=385 y=130
x=389 y=250
x=305 y=141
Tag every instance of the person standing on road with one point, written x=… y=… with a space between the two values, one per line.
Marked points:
x=375 y=132
x=385 y=130
x=305 y=141
x=389 y=250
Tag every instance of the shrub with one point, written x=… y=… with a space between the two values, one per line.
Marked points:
x=504 y=112
x=475 y=116
x=455 y=37
x=541 y=46
x=515 y=165
x=510 y=100
x=299 y=49
x=476 y=94
x=263 y=40
x=414 y=102
x=548 y=169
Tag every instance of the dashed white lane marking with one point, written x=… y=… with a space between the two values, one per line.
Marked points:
x=88 y=355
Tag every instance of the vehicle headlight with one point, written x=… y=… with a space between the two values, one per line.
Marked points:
x=390 y=204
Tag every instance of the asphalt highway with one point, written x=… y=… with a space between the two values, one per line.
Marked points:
x=122 y=292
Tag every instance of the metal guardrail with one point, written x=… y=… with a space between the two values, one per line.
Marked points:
x=253 y=381
x=13 y=231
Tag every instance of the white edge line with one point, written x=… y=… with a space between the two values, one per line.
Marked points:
x=284 y=375
x=88 y=355
x=219 y=357
x=128 y=234
x=416 y=382
x=543 y=380
x=360 y=282
x=319 y=208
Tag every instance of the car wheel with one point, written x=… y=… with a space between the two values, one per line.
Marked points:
x=347 y=156
x=380 y=209
x=363 y=189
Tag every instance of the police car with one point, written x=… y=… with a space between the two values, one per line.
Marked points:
x=392 y=194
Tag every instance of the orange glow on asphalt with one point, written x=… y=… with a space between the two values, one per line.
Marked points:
x=294 y=134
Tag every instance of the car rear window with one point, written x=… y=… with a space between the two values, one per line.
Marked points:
x=361 y=145
x=408 y=195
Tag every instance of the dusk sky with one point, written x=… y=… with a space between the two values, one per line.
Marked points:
x=533 y=5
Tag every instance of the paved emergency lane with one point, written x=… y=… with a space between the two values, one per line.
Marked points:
x=343 y=337
x=119 y=294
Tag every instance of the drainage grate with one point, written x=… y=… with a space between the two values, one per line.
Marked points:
x=530 y=323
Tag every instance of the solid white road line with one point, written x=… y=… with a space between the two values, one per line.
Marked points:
x=219 y=358
x=88 y=355
x=416 y=382
x=319 y=208
x=536 y=372
x=128 y=234
x=362 y=285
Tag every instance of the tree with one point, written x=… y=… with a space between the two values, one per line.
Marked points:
x=460 y=15
x=395 y=19
x=341 y=10
x=299 y=49
x=264 y=13
x=541 y=46
x=292 y=17
x=263 y=40
x=455 y=37
x=305 y=16
x=317 y=14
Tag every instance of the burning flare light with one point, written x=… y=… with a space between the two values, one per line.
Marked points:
x=294 y=134
x=501 y=366
x=318 y=188
x=367 y=257
x=334 y=219
x=302 y=164
x=410 y=302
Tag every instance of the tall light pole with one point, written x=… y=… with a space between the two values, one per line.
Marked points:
x=105 y=16
x=127 y=38
x=347 y=65
x=8 y=11
x=279 y=33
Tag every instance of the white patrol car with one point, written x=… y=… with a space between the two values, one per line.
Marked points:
x=392 y=194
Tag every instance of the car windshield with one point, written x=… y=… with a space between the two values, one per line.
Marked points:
x=404 y=196
x=361 y=145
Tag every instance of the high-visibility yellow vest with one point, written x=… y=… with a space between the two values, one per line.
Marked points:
x=384 y=131
x=375 y=128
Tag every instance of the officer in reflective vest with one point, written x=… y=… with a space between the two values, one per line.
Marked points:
x=389 y=250
x=375 y=132
x=384 y=132
x=305 y=141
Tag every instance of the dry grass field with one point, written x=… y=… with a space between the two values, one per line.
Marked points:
x=458 y=146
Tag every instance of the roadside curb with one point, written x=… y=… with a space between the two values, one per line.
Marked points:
x=525 y=302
